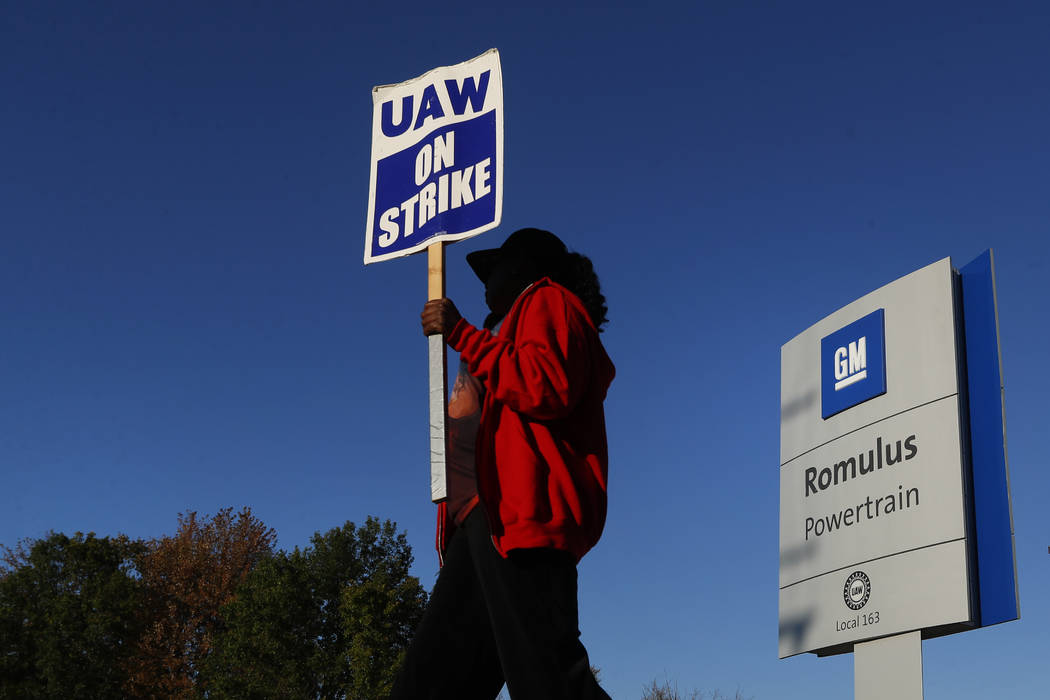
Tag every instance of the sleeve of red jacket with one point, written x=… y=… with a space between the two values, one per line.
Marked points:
x=541 y=374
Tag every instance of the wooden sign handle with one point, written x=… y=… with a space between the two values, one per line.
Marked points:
x=435 y=271
x=438 y=394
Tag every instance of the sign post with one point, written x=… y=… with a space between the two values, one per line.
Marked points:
x=894 y=492
x=438 y=394
x=436 y=176
x=890 y=667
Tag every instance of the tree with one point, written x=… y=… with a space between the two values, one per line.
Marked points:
x=211 y=612
x=68 y=616
x=271 y=644
x=595 y=671
x=666 y=691
x=189 y=577
x=380 y=611
x=329 y=621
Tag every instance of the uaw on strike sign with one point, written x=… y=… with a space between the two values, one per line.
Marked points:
x=437 y=158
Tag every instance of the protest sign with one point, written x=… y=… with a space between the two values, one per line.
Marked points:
x=436 y=176
x=437 y=158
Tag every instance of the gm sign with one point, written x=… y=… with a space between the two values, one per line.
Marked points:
x=895 y=500
x=853 y=364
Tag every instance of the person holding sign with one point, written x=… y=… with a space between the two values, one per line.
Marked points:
x=527 y=481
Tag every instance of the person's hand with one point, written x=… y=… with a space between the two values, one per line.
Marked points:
x=439 y=316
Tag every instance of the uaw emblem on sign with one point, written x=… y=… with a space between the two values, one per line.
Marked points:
x=853 y=364
x=857 y=590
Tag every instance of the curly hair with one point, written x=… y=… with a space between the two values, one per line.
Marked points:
x=576 y=273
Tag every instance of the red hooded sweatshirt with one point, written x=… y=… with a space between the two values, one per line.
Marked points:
x=541 y=455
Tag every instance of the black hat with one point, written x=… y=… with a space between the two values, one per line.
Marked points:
x=541 y=247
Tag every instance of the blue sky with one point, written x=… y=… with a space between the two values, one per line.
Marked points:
x=186 y=323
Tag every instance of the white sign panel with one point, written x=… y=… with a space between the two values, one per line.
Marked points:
x=437 y=158
x=872 y=487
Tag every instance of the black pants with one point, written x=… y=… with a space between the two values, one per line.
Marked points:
x=493 y=620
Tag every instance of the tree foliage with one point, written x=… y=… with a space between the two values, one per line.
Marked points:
x=329 y=621
x=189 y=577
x=669 y=691
x=209 y=612
x=380 y=610
x=68 y=616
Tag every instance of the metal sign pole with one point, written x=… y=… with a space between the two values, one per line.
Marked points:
x=890 y=667
x=438 y=378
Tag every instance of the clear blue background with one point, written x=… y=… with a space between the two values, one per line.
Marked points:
x=185 y=322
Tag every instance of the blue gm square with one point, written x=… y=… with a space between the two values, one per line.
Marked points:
x=853 y=364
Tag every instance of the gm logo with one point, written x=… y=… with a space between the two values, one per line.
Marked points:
x=853 y=364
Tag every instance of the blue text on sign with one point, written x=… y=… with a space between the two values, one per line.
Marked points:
x=430 y=104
